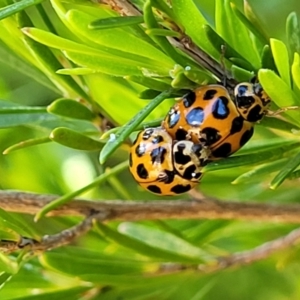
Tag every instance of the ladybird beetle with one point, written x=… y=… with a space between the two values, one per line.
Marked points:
x=163 y=166
x=251 y=101
x=208 y=116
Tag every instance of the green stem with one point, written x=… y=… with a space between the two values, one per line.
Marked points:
x=68 y=197
x=16 y=7
x=129 y=127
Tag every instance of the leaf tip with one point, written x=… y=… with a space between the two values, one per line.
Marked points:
x=25 y=30
x=37 y=217
x=6 y=151
x=102 y=158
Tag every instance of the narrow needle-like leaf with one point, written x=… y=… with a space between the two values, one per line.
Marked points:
x=68 y=197
x=115 y=142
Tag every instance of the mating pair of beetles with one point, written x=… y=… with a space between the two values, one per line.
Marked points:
x=205 y=125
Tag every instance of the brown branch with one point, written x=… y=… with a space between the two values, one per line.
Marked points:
x=123 y=7
x=205 y=208
x=123 y=210
x=261 y=252
x=52 y=241
x=238 y=259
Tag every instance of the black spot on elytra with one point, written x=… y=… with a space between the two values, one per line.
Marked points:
x=190 y=173
x=222 y=151
x=173 y=118
x=141 y=171
x=220 y=108
x=212 y=135
x=209 y=94
x=158 y=139
x=140 y=150
x=237 y=125
x=169 y=176
x=158 y=155
x=179 y=188
x=246 y=136
x=189 y=99
x=179 y=157
x=195 y=116
x=255 y=114
x=243 y=101
x=154 y=189
x=180 y=134
x=130 y=160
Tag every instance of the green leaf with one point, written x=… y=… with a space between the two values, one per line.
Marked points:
x=163 y=240
x=281 y=58
x=27 y=143
x=259 y=145
x=229 y=53
x=49 y=64
x=116 y=22
x=254 y=19
x=226 y=26
x=138 y=246
x=241 y=74
x=7 y=265
x=180 y=81
x=154 y=123
x=14 y=115
x=277 y=123
x=148 y=82
x=163 y=32
x=89 y=262
x=257 y=172
x=54 y=41
x=293 y=33
x=121 y=136
x=74 y=139
x=267 y=60
x=148 y=94
x=17 y=7
x=13 y=225
x=164 y=7
x=71 y=109
x=118 y=42
x=115 y=66
x=96 y=59
x=250 y=26
x=198 y=76
x=192 y=21
x=76 y=71
x=249 y=159
x=66 y=294
x=161 y=41
x=4 y=278
x=296 y=70
x=285 y=171
x=279 y=92
x=17 y=63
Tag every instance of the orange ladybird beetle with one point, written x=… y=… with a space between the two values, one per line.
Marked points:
x=164 y=166
x=251 y=101
x=207 y=115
